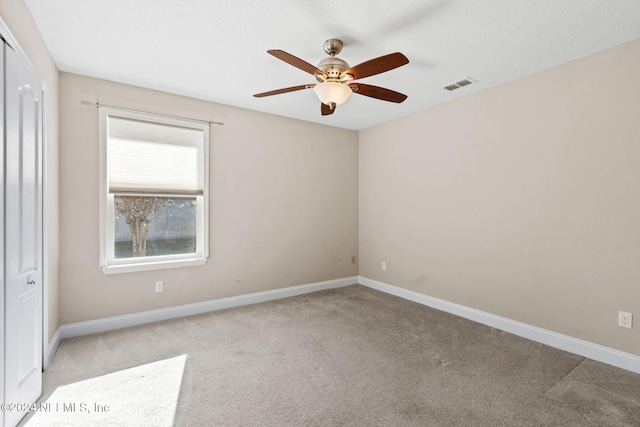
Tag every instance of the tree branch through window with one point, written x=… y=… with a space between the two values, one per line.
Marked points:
x=138 y=212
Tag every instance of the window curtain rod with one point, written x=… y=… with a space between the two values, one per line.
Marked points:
x=98 y=105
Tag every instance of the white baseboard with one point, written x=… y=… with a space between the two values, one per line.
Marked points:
x=577 y=346
x=50 y=351
x=583 y=348
x=118 y=322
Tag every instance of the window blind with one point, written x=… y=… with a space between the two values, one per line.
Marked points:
x=152 y=158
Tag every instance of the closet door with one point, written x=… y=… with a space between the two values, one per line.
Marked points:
x=23 y=233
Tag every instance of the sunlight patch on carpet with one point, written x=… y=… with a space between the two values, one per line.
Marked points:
x=146 y=395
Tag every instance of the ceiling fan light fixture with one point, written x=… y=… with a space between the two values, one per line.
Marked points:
x=332 y=92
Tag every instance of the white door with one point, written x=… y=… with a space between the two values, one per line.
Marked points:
x=23 y=234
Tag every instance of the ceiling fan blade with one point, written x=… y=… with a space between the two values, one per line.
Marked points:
x=326 y=110
x=295 y=61
x=378 y=92
x=284 y=90
x=377 y=65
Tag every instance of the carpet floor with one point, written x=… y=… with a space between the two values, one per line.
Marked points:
x=351 y=356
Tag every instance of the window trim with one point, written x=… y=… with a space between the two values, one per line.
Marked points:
x=108 y=263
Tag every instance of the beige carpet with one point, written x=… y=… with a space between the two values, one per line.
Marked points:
x=117 y=398
x=345 y=357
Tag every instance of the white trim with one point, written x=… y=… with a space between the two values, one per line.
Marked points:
x=158 y=265
x=118 y=322
x=6 y=34
x=103 y=192
x=51 y=348
x=45 y=230
x=577 y=346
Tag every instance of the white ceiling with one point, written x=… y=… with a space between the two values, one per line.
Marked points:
x=216 y=50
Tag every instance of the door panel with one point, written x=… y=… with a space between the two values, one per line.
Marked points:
x=23 y=234
x=27 y=178
x=28 y=360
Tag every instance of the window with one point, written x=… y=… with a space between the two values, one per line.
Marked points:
x=154 y=201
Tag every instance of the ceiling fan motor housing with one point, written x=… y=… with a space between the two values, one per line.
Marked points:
x=333 y=69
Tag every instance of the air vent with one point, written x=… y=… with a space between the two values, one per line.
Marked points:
x=461 y=83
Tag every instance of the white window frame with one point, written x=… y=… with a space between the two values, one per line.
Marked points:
x=108 y=263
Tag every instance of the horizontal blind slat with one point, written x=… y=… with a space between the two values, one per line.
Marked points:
x=168 y=192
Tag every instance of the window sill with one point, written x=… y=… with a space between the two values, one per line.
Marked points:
x=147 y=266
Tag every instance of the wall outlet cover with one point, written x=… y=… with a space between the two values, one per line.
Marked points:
x=625 y=319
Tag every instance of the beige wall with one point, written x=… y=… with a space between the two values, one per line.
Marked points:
x=522 y=200
x=284 y=205
x=17 y=17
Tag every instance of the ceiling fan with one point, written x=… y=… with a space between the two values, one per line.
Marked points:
x=336 y=78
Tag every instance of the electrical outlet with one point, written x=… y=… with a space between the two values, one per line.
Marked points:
x=384 y=266
x=353 y=259
x=159 y=286
x=625 y=319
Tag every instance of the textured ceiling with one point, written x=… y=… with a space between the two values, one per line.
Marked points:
x=216 y=50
